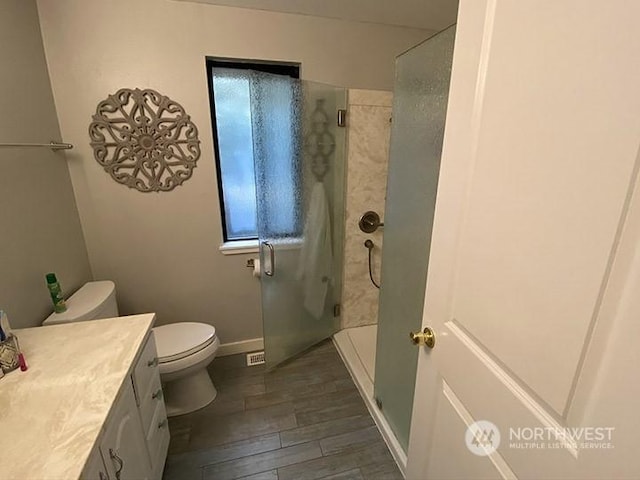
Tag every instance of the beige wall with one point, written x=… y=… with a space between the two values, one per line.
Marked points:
x=162 y=249
x=39 y=225
x=367 y=161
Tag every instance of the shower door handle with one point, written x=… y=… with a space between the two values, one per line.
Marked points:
x=272 y=260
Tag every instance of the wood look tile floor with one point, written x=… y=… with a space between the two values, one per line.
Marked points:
x=304 y=420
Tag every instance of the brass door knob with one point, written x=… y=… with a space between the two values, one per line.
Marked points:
x=425 y=338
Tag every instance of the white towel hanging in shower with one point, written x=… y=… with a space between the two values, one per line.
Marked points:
x=316 y=256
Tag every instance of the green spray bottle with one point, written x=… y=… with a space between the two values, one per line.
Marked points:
x=55 y=291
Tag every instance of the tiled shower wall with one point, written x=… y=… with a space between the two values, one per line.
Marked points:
x=369 y=128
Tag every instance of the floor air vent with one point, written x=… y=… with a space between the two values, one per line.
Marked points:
x=255 y=358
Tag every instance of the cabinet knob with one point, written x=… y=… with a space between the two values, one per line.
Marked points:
x=157 y=394
x=153 y=362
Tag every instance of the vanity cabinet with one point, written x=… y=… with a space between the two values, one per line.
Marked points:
x=123 y=444
x=150 y=402
x=122 y=451
x=94 y=468
x=135 y=438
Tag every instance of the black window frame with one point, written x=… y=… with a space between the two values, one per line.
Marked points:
x=291 y=69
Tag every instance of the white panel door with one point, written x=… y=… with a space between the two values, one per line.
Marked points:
x=533 y=287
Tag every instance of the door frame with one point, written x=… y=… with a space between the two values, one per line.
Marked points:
x=616 y=314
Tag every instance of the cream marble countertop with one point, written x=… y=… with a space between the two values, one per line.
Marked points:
x=52 y=414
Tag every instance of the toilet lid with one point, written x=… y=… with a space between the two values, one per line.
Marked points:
x=179 y=340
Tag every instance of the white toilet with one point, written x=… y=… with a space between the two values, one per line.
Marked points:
x=184 y=349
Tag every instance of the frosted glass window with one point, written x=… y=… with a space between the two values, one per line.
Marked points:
x=232 y=131
x=276 y=115
x=235 y=151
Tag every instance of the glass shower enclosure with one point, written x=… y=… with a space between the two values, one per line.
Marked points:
x=419 y=110
x=299 y=152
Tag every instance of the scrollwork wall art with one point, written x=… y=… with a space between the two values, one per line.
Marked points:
x=144 y=140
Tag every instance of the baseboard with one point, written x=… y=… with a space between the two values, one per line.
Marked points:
x=243 y=346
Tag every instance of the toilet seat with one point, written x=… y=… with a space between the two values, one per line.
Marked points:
x=178 y=341
x=201 y=357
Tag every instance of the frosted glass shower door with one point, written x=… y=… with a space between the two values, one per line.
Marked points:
x=299 y=168
x=419 y=110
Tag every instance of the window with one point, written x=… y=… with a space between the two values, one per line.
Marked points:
x=229 y=94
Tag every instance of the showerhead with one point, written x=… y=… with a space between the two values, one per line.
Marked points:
x=368 y=243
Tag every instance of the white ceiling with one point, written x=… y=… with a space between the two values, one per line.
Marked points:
x=426 y=14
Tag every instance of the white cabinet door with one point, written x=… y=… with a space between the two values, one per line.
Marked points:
x=123 y=446
x=533 y=280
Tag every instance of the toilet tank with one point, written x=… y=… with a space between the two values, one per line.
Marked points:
x=94 y=300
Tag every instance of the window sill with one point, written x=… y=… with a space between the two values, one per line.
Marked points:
x=239 y=247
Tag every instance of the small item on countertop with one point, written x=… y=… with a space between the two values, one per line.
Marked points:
x=5 y=328
x=55 y=291
x=22 y=362
x=9 y=354
x=3 y=331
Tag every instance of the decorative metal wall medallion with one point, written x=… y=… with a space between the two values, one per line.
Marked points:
x=144 y=140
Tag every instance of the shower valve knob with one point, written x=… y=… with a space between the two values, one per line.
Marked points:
x=425 y=338
x=369 y=222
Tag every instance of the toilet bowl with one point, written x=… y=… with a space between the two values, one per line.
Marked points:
x=184 y=349
x=184 y=352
